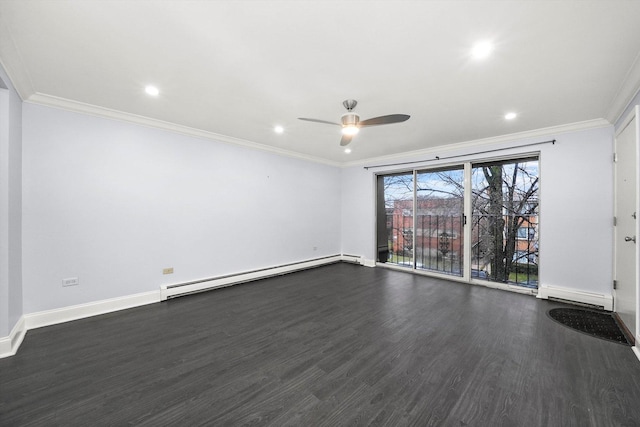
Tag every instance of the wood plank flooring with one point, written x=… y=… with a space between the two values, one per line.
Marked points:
x=335 y=345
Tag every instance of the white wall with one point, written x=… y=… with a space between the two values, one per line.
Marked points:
x=577 y=210
x=358 y=212
x=10 y=206
x=114 y=203
x=576 y=222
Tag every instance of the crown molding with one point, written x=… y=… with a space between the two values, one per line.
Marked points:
x=542 y=132
x=628 y=89
x=80 y=107
x=94 y=110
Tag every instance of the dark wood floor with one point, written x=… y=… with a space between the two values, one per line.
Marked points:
x=335 y=345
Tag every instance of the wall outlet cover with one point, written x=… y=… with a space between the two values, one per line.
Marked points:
x=167 y=270
x=70 y=281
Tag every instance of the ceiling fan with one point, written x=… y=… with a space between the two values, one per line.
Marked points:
x=351 y=122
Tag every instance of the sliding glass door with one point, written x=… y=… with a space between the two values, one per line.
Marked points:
x=439 y=216
x=505 y=204
x=485 y=213
x=395 y=220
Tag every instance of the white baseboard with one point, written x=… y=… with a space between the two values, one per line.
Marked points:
x=357 y=259
x=81 y=311
x=600 y=300
x=368 y=262
x=636 y=350
x=9 y=345
x=200 y=285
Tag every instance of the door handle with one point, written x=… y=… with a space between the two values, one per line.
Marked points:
x=630 y=239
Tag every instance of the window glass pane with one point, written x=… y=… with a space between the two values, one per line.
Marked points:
x=398 y=215
x=505 y=200
x=439 y=240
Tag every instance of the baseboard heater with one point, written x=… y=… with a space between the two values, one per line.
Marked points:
x=201 y=285
x=577 y=303
x=577 y=297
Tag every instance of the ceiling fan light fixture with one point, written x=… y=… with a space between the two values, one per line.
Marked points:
x=350 y=130
x=351 y=123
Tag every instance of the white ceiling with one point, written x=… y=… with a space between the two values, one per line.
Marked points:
x=237 y=68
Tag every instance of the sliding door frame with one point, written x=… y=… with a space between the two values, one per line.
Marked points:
x=468 y=215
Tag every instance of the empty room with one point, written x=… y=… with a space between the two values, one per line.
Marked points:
x=319 y=213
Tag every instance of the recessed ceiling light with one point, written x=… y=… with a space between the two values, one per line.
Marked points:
x=152 y=90
x=510 y=116
x=278 y=129
x=347 y=150
x=482 y=49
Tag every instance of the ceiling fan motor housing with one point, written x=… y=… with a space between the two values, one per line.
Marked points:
x=350 y=119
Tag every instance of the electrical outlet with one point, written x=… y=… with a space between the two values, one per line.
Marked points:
x=71 y=281
x=167 y=270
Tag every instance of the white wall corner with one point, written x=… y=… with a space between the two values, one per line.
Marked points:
x=568 y=294
x=636 y=350
x=9 y=345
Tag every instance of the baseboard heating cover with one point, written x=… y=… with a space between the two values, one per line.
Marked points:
x=566 y=294
x=201 y=285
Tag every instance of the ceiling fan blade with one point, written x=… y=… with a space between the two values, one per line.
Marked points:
x=346 y=139
x=384 y=120
x=319 y=121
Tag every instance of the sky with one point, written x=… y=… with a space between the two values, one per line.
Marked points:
x=450 y=183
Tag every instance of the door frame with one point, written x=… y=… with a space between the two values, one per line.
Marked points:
x=634 y=114
x=467 y=166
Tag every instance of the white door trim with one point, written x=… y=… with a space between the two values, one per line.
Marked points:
x=635 y=114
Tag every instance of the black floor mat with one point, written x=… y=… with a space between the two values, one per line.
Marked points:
x=599 y=324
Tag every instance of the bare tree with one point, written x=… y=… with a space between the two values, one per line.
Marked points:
x=507 y=201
